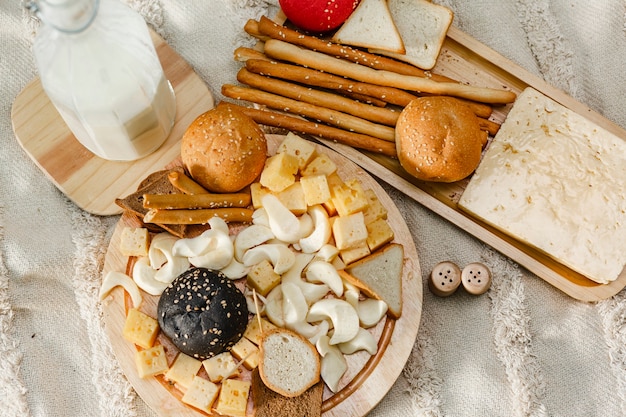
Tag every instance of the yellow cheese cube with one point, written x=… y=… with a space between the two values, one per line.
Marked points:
x=183 y=370
x=254 y=332
x=140 y=329
x=257 y=191
x=233 y=399
x=378 y=234
x=246 y=351
x=201 y=394
x=221 y=366
x=349 y=231
x=350 y=198
x=374 y=210
x=279 y=172
x=134 y=241
x=293 y=198
x=354 y=254
x=151 y=361
x=315 y=189
x=320 y=165
x=262 y=277
x=296 y=146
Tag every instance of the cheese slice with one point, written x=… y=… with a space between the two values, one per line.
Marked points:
x=556 y=181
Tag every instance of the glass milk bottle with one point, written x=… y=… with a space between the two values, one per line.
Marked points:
x=98 y=66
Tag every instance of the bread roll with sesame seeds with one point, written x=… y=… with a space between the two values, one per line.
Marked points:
x=203 y=313
x=223 y=149
x=438 y=139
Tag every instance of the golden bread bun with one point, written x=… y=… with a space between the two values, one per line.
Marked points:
x=438 y=139
x=224 y=150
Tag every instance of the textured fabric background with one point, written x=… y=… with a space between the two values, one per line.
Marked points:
x=524 y=349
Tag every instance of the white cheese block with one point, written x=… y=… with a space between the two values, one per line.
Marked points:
x=556 y=181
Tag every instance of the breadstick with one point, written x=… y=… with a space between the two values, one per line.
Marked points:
x=287 y=52
x=317 y=97
x=336 y=118
x=185 y=184
x=325 y=80
x=252 y=28
x=275 y=31
x=295 y=124
x=243 y=54
x=195 y=201
x=491 y=127
x=362 y=98
x=199 y=216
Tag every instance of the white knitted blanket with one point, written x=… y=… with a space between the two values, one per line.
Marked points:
x=523 y=349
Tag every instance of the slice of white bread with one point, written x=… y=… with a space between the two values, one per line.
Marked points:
x=379 y=275
x=371 y=26
x=423 y=27
x=289 y=364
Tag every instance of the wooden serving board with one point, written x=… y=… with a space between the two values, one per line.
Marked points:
x=91 y=182
x=466 y=60
x=367 y=380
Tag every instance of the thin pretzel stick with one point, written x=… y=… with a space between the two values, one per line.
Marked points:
x=185 y=184
x=325 y=80
x=199 y=216
x=336 y=118
x=288 y=52
x=275 y=31
x=297 y=125
x=195 y=201
x=319 y=98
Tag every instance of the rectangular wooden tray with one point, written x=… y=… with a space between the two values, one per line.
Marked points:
x=467 y=60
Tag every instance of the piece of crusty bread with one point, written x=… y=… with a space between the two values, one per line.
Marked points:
x=438 y=139
x=371 y=26
x=156 y=183
x=288 y=363
x=268 y=403
x=423 y=27
x=379 y=275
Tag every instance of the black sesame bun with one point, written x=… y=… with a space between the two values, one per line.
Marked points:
x=203 y=313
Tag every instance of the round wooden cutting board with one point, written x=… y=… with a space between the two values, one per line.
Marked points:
x=368 y=378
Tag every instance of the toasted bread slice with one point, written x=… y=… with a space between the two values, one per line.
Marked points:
x=371 y=26
x=379 y=276
x=288 y=364
x=423 y=27
x=268 y=403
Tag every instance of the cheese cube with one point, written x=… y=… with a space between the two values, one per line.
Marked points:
x=320 y=165
x=378 y=233
x=349 y=231
x=315 y=189
x=254 y=333
x=140 y=329
x=183 y=370
x=335 y=183
x=293 y=198
x=375 y=209
x=354 y=254
x=134 y=241
x=279 y=172
x=201 y=394
x=262 y=277
x=151 y=361
x=257 y=191
x=246 y=351
x=350 y=198
x=220 y=366
x=233 y=399
x=296 y=146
